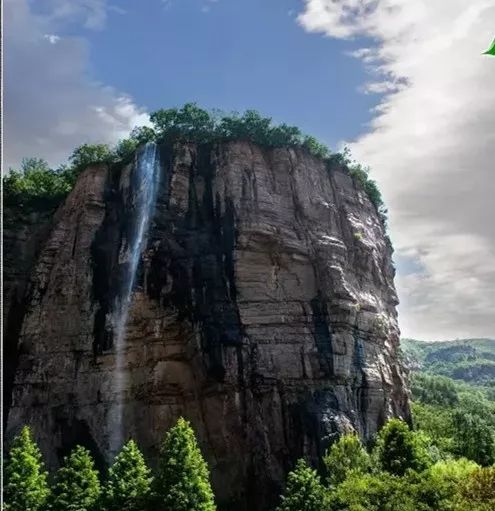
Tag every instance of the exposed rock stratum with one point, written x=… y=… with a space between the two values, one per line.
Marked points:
x=264 y=311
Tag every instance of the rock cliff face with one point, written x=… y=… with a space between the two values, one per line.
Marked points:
x=263 y=311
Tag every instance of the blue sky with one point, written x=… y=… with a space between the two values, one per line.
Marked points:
x=87 y=71
x=231 y=55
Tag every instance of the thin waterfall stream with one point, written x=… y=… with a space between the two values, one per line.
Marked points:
x=144 y=188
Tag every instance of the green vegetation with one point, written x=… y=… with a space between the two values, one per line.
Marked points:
x=25 y=484
x=469 y=360
x=77 y=486
x=400 y=474
x=398 y=449
x=304 y=491
x=36 y=185
x=458 y=412
x=182 y=482
x=128 y=483
x=404 y=470
x=345 y=457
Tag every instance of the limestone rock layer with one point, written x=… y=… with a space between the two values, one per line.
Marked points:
x=264 y=311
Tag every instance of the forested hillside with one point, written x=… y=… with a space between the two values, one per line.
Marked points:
x=453 y=393
x=470 y=360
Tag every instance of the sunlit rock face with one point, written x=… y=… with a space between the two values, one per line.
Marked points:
x=263 y=310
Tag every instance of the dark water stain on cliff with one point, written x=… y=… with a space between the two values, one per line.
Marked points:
x=322 y=333
x=193 y=267
x=104 y=258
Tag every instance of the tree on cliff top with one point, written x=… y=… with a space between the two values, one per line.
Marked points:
x=304 y=491
x=190 y=123
x=77 y=487
x=25 y=484
x=129 y=479
x=182 y=482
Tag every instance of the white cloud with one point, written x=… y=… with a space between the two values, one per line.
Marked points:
x=51 y=104
x=431 y=145
x=52 y=38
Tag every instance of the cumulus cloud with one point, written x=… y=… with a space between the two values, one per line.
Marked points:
x=51 y=103
x=431 y=145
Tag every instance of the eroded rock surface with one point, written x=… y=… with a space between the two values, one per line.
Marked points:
x=264 y=311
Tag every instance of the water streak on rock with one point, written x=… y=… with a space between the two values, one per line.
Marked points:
x=145 y=184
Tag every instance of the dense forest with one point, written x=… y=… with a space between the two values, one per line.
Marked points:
x=444 y=461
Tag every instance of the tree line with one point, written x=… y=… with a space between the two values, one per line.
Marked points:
x=402 y=471
x=35 y=183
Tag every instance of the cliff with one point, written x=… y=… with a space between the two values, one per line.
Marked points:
x=263 y=310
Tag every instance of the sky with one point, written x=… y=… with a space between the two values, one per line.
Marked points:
x=402 y=83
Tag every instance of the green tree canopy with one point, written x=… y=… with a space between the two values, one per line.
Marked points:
x=90 y=154
x=25 y=480
x=397 y=449
x=77 y=487
x=434 y=390
x=192 y=124
x=473 y=437
x=373 y=492
x=127 y=487
x=35 y=182
x=304 y=491
x=477 y=491
x=346 y=455
x=182 y=482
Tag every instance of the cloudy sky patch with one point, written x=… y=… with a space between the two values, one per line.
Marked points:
x=52 y=103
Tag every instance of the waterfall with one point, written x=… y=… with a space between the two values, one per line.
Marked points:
x=144 y=187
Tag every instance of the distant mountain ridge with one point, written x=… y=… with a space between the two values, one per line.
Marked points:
x=470 y=360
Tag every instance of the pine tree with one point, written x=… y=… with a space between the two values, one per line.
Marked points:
x=345 y=456
x=398 y=449
x=304 y=491
x=128 y=485
x=26 y=487
x=182 y=482
x=77 y=487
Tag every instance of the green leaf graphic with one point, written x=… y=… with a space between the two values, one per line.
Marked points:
x=491 y=50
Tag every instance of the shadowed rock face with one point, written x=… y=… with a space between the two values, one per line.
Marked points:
x=263 y=311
